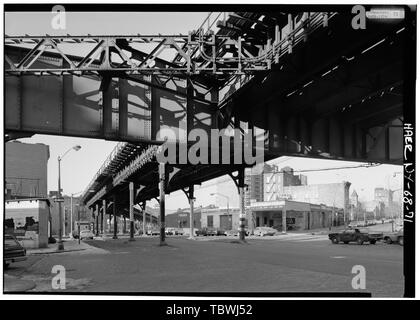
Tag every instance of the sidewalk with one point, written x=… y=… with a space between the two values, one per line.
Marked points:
x=13 y=284
x=319 y=231
x=69 y=246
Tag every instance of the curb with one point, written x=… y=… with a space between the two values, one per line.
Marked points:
x=52 y=252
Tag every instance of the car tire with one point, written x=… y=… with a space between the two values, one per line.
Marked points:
x=372 y=241
x=388 y=240
x=360 y=241
x=401 y=241
x=335 y=240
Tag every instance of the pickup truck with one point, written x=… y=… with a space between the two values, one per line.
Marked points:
x=395 y=237
x=359 y=236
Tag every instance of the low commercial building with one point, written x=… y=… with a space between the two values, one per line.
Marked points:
x=299 y=215
x=29 y=221
x=220 y=218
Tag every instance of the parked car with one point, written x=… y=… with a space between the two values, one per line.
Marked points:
x=264 y=231
x=355 y=235
x=395 y=237
x=170 y=231
x=153 y=232
x=231 y=233
x=13 y=251
x=353 y=224
x=179 y=231
x=86 y=234
x=206 y=232
x=235 y=232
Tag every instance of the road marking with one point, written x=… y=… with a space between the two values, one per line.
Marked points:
x=338 y=257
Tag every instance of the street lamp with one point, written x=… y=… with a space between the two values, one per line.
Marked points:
x=60 y=217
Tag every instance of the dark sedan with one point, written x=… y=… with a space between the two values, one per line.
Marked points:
x=13 y=251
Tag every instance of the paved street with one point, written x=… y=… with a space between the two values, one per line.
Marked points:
x=294 y=263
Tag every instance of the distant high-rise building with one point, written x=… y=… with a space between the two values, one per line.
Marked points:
x=275 y=182
x=255 y=185
x=354 y=199
x=383 y=195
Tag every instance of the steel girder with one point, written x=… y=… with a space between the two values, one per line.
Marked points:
x=195 y=53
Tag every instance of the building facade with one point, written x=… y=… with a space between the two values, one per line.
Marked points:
x=275 y=182
x=26 y=170
x=220 y=218
x=299 y=215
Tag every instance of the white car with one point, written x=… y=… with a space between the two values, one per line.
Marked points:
x=86 y=234
x=264 y=231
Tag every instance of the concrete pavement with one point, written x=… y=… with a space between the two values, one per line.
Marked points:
x=296 y=264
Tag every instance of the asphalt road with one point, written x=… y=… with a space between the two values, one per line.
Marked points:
x=296 y=264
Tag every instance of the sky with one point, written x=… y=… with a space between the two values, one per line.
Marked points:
x=78 y=168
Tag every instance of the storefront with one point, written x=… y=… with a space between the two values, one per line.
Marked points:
x=299 y=215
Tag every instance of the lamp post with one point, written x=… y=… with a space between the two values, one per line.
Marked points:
x=60 y=215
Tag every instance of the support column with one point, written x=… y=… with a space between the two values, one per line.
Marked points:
x=131 y=188
x=103 y=217
x=143 y=209
x=191 y=200
x=242 y=214
x=97 y=219
x=93 y=217
x=283 y=220
x=162 y=182
x=110 y=220
x=115 y=218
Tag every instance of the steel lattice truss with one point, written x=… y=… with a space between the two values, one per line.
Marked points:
x=196 y=53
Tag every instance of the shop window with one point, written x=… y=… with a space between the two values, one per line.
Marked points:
x=265 y=221
x=258 y=221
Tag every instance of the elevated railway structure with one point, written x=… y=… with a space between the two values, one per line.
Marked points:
x=311 y=83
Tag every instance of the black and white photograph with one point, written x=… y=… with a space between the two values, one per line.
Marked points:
x=215 y=150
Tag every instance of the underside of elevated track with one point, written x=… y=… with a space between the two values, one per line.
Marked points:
x=308 y=82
